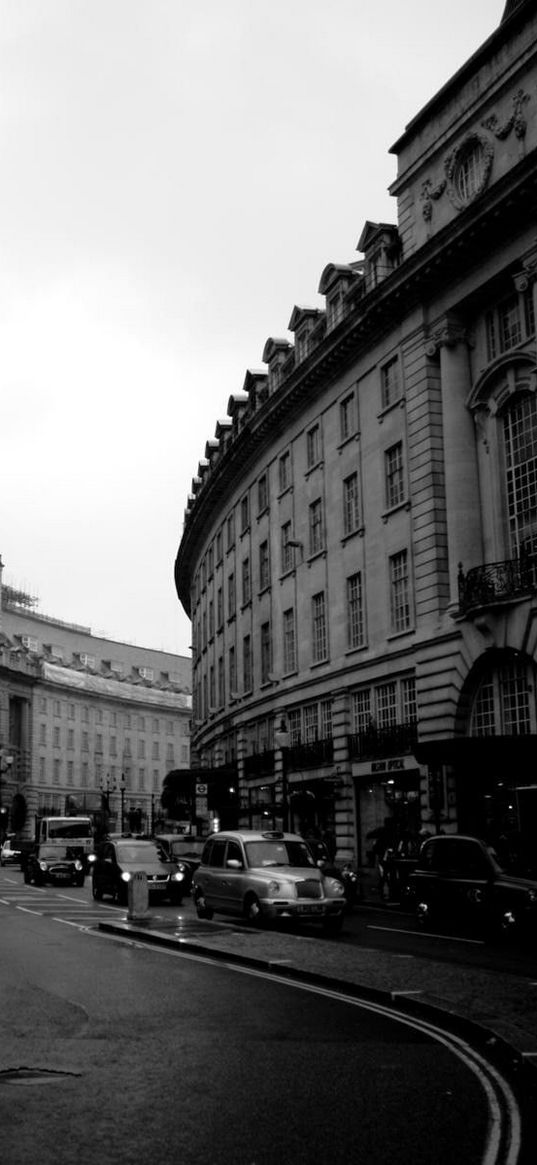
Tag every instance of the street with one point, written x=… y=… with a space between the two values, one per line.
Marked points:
x=136 y=1052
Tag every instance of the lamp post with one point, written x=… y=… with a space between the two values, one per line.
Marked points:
x=122 y=788
x=281 y=739
x=5 y=765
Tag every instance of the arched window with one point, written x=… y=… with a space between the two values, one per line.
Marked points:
x=520 y=443
x=504 y=702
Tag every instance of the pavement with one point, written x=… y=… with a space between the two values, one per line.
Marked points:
x=497 y=1012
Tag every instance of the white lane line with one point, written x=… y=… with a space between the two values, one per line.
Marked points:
x=448 y=938
x=25 y=910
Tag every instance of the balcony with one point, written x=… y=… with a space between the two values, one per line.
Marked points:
x=310 y=754
x=497 y=582
x=396 y=740
x=259 y=764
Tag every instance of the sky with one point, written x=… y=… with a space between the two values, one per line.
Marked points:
x=175 y=176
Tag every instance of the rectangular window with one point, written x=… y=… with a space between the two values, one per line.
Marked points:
x=71 y=711
x=219 y=608
x=262 y=493
x=311 y=723
x=210 y=561
x=355 y=612
x=284 y=468
x=219 y=546
x=42 y=734
x=245 y=513
x=70 y=738
x=211 y=619
x=56 y=737
x=247 y=664
x=409 y=707
x=361 y=710
x=509 y=324
x=399 y=592
x=351 y=519
x=232 y=673
x=319 y=629
x=395 y=484
x=390 y=382
x=264 y=566
x=212 y=689
x=230 y=528
x=231 y=601
x=113 y=746
x=287 y=551
x=346 y=417
x=529 y=311
x=289 y=641
x=141 y=749
x=295 y=726
x=57 y=708
x=316 y=527
x=156 y=750
x=221 y=692
x=491 y=335
x=313 y=446
x=386 y=701
x=246 y=582
x=325 y=710
x=266 y=653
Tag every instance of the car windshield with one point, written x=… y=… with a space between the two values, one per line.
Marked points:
x=137 y=853
x=279 y=853
x=69 y=828
x=186 y=849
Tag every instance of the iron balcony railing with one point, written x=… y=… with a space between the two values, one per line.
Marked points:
x=309 y=754
x=395 y=740
x=259 y=764
x=497 y=582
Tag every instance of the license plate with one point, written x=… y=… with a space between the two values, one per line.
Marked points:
x=315 y=908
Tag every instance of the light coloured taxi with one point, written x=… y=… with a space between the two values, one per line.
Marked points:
x=265 y=875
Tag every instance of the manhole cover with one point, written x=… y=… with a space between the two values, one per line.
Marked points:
x=26 y=1076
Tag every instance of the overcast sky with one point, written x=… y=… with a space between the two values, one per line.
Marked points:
x=175 y=175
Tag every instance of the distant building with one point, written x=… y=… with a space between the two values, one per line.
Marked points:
x=359 y=549
x=86 y=722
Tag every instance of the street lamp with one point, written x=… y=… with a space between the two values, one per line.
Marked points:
x=5 y=765
x=281 y=739
x=122 y=788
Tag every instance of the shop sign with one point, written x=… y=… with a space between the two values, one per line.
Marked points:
x=387 y=766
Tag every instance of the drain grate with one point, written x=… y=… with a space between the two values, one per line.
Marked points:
x=26 y=1076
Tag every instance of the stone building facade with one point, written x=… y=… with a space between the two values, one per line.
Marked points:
x=86 y=723
x=359 y=549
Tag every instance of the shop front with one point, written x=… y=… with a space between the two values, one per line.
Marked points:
x=387 y=791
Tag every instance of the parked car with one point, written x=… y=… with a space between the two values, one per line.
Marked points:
x=56 y=864
x=265 y=875
x=118 y=860
x=459 y=879
x=185 y=851
x=10 y=853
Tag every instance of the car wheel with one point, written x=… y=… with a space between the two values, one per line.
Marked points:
x=120 y=895
x=96 y=891
x=78 y=881
x=252 y=910
x=202 y=910
x=423 y=915
x=27 y=877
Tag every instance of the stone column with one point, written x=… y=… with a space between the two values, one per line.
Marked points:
x=463 y=502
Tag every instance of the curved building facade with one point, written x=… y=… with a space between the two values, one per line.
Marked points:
x=358 y=555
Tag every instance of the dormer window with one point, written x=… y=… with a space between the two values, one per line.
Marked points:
x=146 y=673
x=334 y=308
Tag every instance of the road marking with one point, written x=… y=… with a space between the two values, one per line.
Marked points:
x=25 y=910
x=449 y=938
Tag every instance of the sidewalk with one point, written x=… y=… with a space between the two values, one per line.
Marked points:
x=495 y=1011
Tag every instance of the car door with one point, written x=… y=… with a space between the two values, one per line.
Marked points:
x=233 y=878
x=213 y=874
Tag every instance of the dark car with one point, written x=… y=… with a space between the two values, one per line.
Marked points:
x=57 y=864
x=458 y=879
x=185 y=851
x=117 y=861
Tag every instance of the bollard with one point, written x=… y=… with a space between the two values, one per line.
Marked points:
x=138 y=895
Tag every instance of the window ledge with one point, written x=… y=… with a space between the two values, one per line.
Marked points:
x=316 y=465
x=288 y=573
x=320 y=663
x=288 y=490
x=348 y=440
x=358 y=533
x=318 y=554
x=401 y=634
x=264 y=591
x=404 y=505
x=353 y=650
x=396 y=404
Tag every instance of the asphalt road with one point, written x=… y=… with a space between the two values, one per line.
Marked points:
x=134 y=1053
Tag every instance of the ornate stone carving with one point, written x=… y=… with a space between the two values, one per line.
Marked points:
x=516 y=122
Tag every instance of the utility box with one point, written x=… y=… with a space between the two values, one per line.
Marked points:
x=137 y=896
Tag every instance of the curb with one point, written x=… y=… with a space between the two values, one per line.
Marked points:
x=521 y=1072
